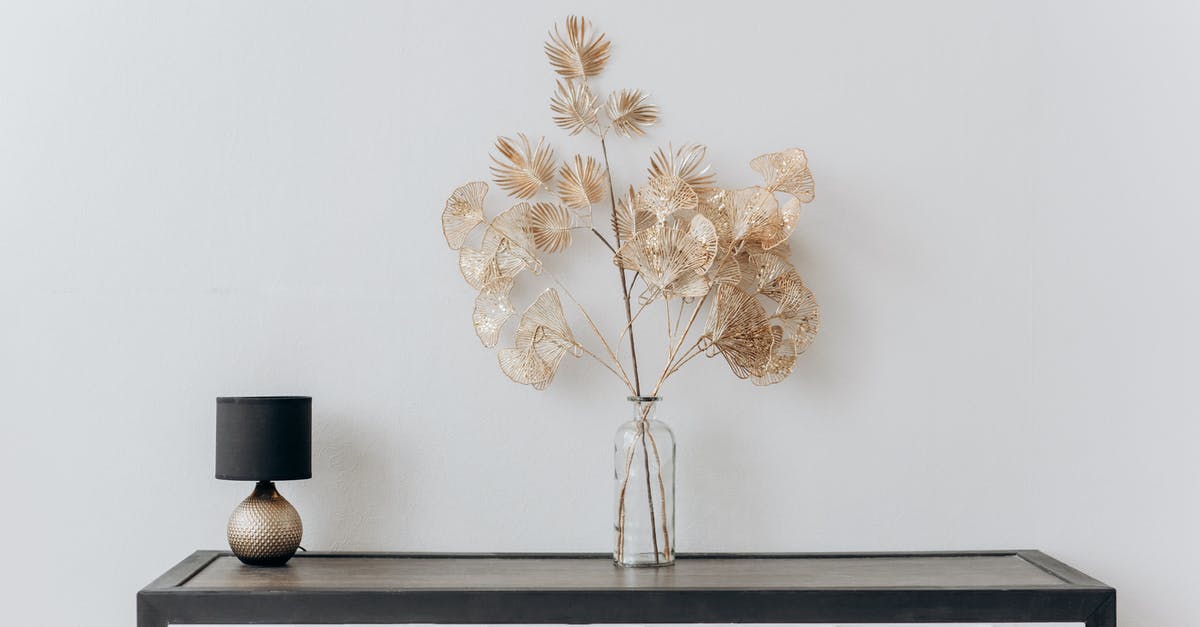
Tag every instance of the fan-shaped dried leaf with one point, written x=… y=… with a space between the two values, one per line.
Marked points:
x=714 y=204
x=581 y=53
x=581 y=183
x=574 y=106
x=665 y=195
x=629 y=113
x=801 y=318
x=525 y=169
x=686 y=163
x=774 y=277
x=488 y=272
x=672 y=260
x=630 y=217
x=510 y=234
x=738 y=328
x=491 y=312
x=725 y=272
x=781 y=363
x=463 y=212
x=550 y=227
x=786 y=171
x=757 y=218
x=542 y=339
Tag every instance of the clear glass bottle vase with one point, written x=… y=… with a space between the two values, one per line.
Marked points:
x=644 y=488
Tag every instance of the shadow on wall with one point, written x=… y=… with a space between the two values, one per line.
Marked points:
x=356 y=479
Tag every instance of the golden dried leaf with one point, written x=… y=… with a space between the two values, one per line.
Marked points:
x=665 y=195
x=737 y=328
x=490 y=314
x=580 y=54
x=581 y=183
x=510 y=238
x=485 y=271
x=549 y=227
x=542 y=339
x=631 y=217
x=686 y=163
x=463 y=212
x=781 y=363
x=786 y=171
x=672 y=260
x=714 y=204
x=725 y=272
x=525 y=169
x=574 y=106
x=774 y=277
x=629 y=112
x=757 y=219
x=801 y=318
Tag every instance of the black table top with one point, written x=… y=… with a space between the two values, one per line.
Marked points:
x=993 y=586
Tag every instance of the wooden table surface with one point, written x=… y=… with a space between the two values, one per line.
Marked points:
x=999 y=586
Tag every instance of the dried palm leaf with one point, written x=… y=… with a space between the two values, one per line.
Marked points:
x=542 y=339
x=757 y=219
x=786 y=171
x=630 y=217
x=672 y=260
x=526 y=169
x=738 y=329
x=574 y=106
x=781 y=363
x=463 y=212
x=686 y=163
x=580 y=54
x=581 y=183
x=491 y=312
x=549 y=227
x=725 y=272
x=665 y=195
x=629 y=113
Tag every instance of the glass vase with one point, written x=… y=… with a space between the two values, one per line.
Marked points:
x=644 y=488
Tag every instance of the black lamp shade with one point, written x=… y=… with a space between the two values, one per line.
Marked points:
x=264 y=438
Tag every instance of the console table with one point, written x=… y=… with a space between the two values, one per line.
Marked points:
x=329 y=588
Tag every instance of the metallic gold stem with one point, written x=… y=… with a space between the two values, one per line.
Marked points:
x=612 y=199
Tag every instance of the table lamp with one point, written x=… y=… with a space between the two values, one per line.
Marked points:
x=264 y=439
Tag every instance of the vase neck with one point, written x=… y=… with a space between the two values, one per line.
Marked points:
x=644 y=407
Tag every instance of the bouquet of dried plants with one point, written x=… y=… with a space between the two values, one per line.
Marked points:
x=679 y=241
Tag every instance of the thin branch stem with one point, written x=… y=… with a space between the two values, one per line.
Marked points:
x=603 y=239
x=612 y=199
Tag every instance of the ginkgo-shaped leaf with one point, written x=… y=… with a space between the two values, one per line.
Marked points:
x=511 y=237
x=574 y=106
x=549 y=227
x=525 y=169
x=665 y=195
x=463 y=212
x=738 y=329
x=631 y=216
x=581 y=183
x=714 y=204
x=491 y=312
x=686 y=163
x=726 y=271
x=801 y=317
x=781 y=362
x=774 y=277
x=542 y=339
x=756 y=218
x=786 y=171
x=488 y=272
x=581 y=53
x=629 y=113
x=672 y=260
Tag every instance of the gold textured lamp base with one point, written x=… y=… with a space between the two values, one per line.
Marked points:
x=264 y=529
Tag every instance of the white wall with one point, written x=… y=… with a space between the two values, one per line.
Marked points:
x=203 y=199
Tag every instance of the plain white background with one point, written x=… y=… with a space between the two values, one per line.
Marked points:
x=219 y=198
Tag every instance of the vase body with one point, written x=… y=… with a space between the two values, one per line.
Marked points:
x=264 y=529
x=644 y=488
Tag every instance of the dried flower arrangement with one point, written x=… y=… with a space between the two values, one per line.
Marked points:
x=681 y=236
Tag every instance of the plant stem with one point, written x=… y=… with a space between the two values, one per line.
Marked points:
x=612 y=199
x=650 y=491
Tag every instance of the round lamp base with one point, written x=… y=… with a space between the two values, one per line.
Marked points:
x=264 y=529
